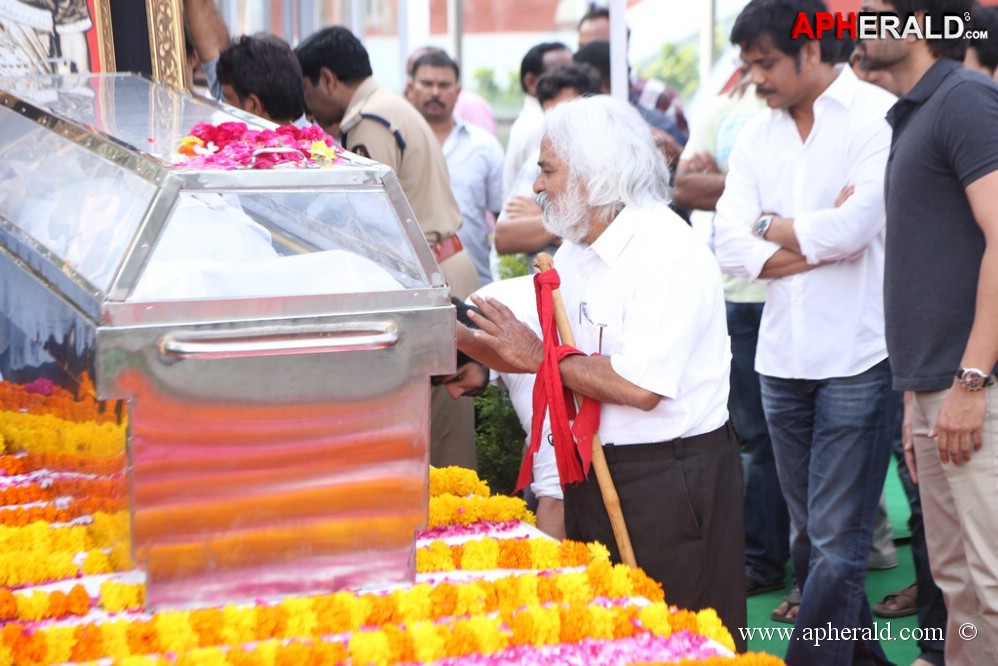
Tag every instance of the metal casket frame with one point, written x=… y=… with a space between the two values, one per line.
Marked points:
x=276 y=444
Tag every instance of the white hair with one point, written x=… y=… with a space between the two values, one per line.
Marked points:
x=609 y=148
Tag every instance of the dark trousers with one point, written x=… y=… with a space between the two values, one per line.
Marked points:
x=682 y=502
x=767 y=523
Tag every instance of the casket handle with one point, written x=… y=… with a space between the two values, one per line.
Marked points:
x=278 y=150
x=280 y=340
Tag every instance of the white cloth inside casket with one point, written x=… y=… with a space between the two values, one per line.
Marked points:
x=212 y=249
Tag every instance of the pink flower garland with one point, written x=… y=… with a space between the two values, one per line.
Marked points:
x=233 y=145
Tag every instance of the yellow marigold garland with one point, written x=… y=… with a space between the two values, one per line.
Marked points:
x=488 y=553
x=485 y=616
x=450 y=509
x=456 y=481
x=49 y=434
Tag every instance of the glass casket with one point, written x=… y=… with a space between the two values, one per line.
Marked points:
x=272 y=331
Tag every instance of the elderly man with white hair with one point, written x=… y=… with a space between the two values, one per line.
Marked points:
x=646 y=307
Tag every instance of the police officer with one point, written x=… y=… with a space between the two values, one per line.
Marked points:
x=375 y=122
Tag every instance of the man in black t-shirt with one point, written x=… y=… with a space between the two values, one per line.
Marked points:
x=941 y=308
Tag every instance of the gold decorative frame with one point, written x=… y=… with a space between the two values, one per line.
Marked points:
x=166 y=41
x=105 y=36
x=165 y=20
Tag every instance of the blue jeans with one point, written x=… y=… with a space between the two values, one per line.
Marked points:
x=832 y=457
x=767 y=524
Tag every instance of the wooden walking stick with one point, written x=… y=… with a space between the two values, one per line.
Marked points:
x=611 y=501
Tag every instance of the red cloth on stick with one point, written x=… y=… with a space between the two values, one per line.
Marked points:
x=572 y=454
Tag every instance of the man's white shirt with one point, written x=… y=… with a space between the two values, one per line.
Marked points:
x=524 y=139
x=647 y=293
x=827 y=322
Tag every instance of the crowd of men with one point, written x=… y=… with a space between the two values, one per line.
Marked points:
x=749 y=392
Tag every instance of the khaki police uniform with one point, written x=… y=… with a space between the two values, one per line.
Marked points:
x=384 y=127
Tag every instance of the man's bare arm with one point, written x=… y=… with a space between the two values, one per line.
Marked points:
x=523 y=230
x=785 y=263
x=959 y=427
x=594 y=377
x=551 y=517
x=698 y=185
x=521 y=349
x=206 y=28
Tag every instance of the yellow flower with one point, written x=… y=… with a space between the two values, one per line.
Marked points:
x=655 y=618
x=265 y=652
x=370 y=648
x=210 y=656
x=414 y=603
x=545 y=553
x=238 y=624
x=32 y=606
x=574 y=588
x=428 y=641
x=116 y=597
x=96 y=563
x=601 y=622
x=187 y=145
x=319 y=151
x=488 y=634
x=598 y=551
x=619 y=583
x=710 y=625
x=435 y=557
x=115 y=636
x=536 y=626
x=121 y=555
x=301 y=617
x=175 y=631
x=456 y=481
x=470 y=600
x=141 y=660
x=59 y=644
x=480 y=555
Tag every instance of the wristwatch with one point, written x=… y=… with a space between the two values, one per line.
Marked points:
x=972 y=379
x=762 y=225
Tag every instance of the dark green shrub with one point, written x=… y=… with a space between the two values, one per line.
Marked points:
x=498 y=439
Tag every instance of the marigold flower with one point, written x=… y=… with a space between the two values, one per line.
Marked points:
x=656 y=619
x=59 y=644
x=8 y=605
x=143 y=638
x=88 y=643
x=271 y=622
x=429 y=642
x=78 y=601
x=370 y=647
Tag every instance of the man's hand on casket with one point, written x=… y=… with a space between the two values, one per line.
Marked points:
x=512 y=340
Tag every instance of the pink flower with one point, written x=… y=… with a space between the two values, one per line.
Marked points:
x=40 y=387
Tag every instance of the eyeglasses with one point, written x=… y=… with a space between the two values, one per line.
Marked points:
x=584 y=316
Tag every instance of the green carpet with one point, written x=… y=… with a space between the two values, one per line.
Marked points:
x=878 y=584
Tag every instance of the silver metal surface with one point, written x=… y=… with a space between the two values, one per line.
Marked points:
x=277 y=441
x=282 y=340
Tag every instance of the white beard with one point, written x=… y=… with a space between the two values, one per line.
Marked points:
x=567 y=218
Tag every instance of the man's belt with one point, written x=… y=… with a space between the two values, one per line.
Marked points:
x=445 y=248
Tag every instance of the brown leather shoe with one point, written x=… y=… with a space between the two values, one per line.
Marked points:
x=898 y=604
